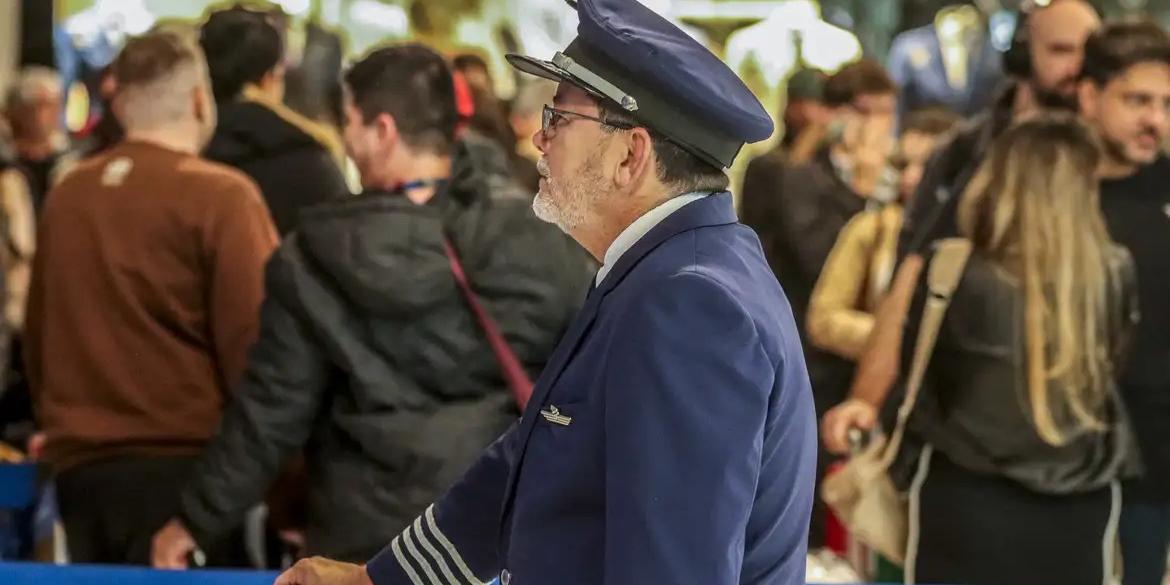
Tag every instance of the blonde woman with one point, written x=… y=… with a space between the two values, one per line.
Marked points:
x=1018 y=437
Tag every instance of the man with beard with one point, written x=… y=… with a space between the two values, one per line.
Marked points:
x=1125 y=95
x=1045 y=60
x=145 y=292
x=671 y=437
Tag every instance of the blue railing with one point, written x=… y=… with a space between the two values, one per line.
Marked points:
x=18 y=489
x=34 y=574
x=37 y=574
x=18 y=486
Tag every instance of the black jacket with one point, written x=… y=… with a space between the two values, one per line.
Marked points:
x=798 y=210
x=932 y=215
x=799 y=220
x=974 y=407
x=370 y=358
x=760 y=198
x=281 y=153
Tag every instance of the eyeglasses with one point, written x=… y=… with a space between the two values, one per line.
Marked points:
x=552 y=118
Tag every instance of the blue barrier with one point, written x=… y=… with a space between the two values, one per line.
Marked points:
x=38 y=574
x=18 y=486
x=43 y=574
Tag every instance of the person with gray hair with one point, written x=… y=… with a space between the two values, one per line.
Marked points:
x=17 y=242
x=145 y=298
x=40 y=155
x=34 y=107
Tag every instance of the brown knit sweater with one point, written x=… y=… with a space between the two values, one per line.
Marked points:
x=145 y=298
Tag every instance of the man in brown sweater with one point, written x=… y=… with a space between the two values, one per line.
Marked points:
x=145 y=298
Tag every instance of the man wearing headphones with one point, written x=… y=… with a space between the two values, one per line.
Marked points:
x=1044 y=61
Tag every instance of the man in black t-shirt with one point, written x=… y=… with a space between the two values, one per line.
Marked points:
x=1125 y=95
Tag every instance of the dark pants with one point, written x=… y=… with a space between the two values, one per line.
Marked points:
x=16 y=414
x=1145 y=541
x=980 y=529
x=112 y=508
x=830 y=377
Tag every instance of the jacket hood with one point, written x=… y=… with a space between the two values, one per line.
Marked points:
x=255 y=127
x=385 y=253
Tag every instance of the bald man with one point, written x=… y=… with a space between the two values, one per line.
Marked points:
x=1054 y=37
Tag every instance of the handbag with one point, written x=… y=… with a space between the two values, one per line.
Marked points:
x=514 y=374
x=861 y=493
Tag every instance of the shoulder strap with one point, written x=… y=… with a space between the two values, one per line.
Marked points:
x=943 y=274
x=514 y=374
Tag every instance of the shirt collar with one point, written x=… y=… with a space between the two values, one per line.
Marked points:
x=641 y=227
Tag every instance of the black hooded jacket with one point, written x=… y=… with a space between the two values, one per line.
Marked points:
x=370 y=358
x=281 y=152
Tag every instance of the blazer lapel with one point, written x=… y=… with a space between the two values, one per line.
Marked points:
x=716 y=209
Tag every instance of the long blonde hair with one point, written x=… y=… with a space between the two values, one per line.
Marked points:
x=1033 y=208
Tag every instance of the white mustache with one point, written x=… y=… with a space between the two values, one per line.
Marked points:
x=542 y=167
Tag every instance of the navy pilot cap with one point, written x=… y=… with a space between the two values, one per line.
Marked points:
x=632 y=57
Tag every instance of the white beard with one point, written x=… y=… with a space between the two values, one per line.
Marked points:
x=566 y=203
x=542 y=204
x=546 y=211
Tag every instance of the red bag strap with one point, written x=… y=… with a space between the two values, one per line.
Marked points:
x=517 y=379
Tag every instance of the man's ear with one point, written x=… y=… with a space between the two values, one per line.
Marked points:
x=1088 y=99
x=201 y=102
x=386 y=128
x=118 y=107
x=638 y=159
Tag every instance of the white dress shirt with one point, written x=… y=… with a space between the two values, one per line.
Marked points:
x=641 y=227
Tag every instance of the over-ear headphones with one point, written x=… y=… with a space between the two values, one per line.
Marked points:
x=1017 y=60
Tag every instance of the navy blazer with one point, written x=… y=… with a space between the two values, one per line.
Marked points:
x=671 y=438
x=916 y=65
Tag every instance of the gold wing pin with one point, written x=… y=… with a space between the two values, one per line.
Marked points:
x=554 y=416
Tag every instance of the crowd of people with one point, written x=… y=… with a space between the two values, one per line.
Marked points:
x=201 y=318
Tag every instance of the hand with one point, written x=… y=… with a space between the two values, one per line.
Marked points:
x=293 y=538
x=869 y=142
x=319 y=571
x=171 y=546
x=835 y=426
x=36 y=446
x=874 y=144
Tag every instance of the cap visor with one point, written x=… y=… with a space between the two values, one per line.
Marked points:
x=538 y=67
x=548 y=70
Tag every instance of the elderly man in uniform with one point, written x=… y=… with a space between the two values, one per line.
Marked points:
x=671 y=437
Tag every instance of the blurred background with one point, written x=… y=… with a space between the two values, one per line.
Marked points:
x=936 y=62
x=765 y=40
